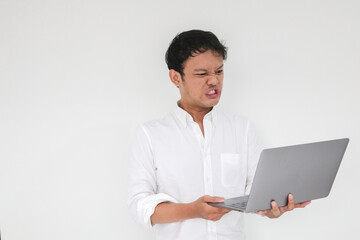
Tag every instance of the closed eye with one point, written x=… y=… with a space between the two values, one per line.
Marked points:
x=218 y=72
x=201 y=74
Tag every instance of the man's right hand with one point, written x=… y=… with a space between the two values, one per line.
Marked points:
x=168 y=212
x=205 y=211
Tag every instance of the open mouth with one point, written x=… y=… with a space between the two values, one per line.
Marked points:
x=213 y=93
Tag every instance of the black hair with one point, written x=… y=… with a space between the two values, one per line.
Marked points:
x=189 y=43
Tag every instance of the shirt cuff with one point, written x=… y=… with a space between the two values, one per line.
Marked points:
x=146 y=206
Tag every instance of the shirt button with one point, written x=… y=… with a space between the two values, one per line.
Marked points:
x=207 y=179
x=212 y=229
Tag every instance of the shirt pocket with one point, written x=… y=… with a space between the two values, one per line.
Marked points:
x=231 y=169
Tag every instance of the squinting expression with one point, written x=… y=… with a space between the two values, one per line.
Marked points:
x=201 y=84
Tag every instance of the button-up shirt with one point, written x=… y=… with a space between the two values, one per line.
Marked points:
x=172 y=161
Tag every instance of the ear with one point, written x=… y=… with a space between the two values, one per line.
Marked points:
x=175 y=77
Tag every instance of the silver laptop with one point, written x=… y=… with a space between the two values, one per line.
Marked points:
x=307 y=171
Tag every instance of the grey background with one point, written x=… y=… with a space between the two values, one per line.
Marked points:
x=77 y=77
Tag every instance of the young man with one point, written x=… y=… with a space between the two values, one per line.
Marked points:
x=195 y=154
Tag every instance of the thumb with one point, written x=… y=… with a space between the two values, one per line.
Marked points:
x=214 y=199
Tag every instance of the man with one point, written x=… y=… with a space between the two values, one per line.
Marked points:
x=195 y=154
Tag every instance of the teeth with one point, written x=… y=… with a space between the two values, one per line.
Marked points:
x=212 y=92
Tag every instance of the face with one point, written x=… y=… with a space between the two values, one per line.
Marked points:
x=201 y=85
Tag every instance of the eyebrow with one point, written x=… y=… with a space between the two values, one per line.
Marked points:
x=204 y=70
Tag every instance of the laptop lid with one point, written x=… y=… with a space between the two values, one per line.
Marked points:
x=307 y=171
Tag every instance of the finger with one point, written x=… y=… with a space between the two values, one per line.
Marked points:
x=221 y=213
x=262 y=213
x=275 y=209
x=219 y=210
x=217 y=215
x=302 y=205
x=225 y=210
x=291 y=204
x=217 y=218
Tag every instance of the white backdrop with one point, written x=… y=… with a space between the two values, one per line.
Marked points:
x=77 y=77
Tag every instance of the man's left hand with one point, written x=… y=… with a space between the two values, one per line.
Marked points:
x=276 y=211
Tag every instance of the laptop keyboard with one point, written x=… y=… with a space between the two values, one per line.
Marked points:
x=240 y=205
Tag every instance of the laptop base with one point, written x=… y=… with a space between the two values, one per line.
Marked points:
x=237 y=204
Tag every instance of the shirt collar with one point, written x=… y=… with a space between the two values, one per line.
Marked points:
x=184 y=117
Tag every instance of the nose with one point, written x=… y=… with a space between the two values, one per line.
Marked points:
x=213 y=79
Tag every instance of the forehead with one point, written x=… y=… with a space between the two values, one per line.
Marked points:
x=206 y=60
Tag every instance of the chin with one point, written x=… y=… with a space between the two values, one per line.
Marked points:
x=212 y=103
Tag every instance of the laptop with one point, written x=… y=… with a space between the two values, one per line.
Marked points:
x=307 y=171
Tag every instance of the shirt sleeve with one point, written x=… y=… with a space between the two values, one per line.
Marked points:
x=142 y=186
x=254 y=149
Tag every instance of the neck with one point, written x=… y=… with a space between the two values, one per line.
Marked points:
x=197 y=113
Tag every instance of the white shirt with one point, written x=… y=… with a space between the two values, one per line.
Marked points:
x=172 y=161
